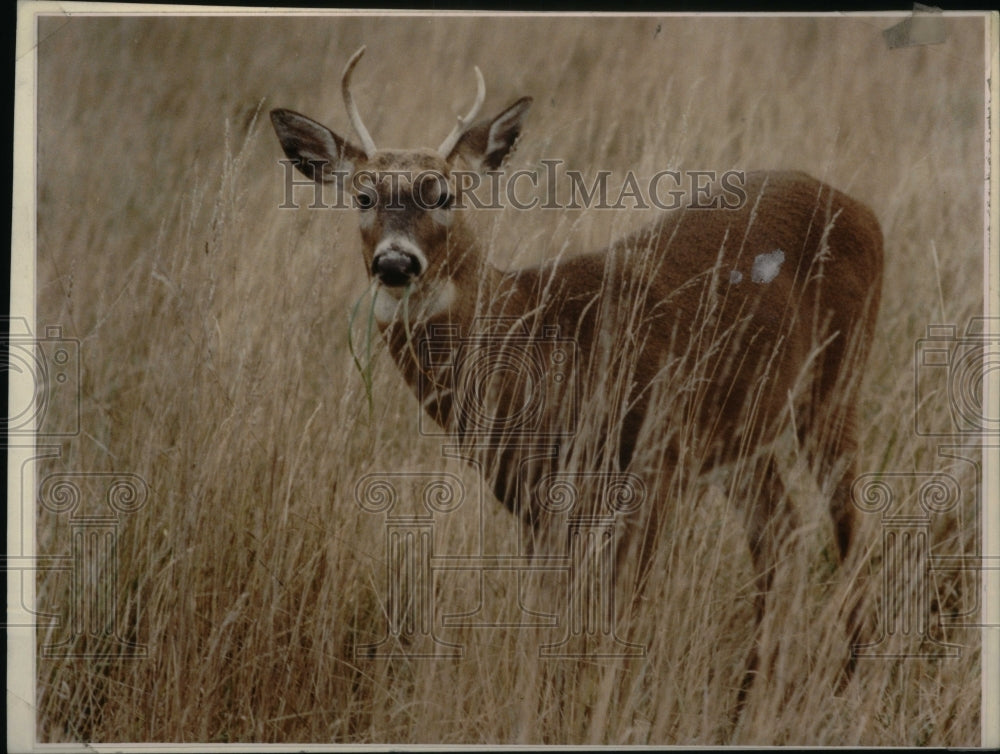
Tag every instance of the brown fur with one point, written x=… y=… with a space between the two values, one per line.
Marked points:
x=669 y=320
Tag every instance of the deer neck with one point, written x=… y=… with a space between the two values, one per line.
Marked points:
x=428 y=325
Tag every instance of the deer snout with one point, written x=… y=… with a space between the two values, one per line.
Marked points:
x=395 y=267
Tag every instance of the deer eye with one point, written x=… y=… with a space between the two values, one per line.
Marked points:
x=365 y=199
x=443 y=201
x=432 y=191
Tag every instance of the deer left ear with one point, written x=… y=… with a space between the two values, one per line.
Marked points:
x=485 y=145
x=314 y=149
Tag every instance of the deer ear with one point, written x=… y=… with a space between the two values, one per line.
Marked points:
x=316 y=151
x=485 y=145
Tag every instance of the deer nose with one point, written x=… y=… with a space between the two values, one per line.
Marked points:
x=395 y=267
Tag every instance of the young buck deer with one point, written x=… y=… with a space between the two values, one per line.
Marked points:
x=695 y=340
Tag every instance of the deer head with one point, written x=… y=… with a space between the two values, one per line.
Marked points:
x=410 y=230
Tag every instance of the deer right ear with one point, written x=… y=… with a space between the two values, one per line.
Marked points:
x=316 y=151
x=485 y=145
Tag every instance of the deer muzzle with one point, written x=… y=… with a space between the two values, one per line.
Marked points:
x=394 y=267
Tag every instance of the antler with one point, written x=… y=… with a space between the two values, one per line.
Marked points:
x=463 y=123
x=352 y=110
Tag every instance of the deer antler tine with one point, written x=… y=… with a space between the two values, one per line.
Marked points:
x=463 y=122
x=480 y=96
x=352 y=110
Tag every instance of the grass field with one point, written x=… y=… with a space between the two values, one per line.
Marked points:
x=213 y=330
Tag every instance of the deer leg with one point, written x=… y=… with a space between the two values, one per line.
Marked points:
x=831 y=452
x=770 y=518
x=635 y=550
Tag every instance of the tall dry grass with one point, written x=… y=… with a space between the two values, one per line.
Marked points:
x=213 y=330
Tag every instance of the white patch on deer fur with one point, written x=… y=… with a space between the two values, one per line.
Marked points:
x=366 y=219
x=441 y=299
x=497 y=136
x=423 y=303
x=735 y=276
x=386 y=305
x=767 y=266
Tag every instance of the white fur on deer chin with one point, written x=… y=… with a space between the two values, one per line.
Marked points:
x=425 y=302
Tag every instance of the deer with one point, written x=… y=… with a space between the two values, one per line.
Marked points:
x=742 y=320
